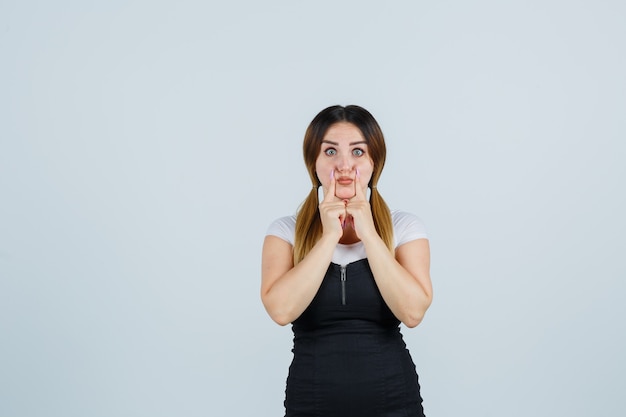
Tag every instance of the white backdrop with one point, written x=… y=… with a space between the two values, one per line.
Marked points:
x=146 y=146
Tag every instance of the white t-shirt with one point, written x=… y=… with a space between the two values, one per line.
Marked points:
x=406 y=227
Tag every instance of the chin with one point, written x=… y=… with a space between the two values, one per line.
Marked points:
x=344 y=196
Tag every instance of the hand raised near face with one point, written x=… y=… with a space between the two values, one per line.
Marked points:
x=332 y=211
x=360 y=210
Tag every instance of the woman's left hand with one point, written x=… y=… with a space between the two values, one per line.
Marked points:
x=360 y=212
x=402 y=276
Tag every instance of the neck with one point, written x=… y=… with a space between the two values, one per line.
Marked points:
x=349 y=236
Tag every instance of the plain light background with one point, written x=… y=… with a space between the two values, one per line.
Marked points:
x=146 y=146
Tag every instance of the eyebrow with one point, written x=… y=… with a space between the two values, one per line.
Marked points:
x=351 y=143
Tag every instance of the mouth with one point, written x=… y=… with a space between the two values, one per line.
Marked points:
x=345 y=180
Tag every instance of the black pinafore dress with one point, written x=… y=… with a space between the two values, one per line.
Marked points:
x=349 y=355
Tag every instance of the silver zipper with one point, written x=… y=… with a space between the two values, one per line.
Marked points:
x=343 y=285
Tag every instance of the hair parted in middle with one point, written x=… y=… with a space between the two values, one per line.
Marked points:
x=308 y=222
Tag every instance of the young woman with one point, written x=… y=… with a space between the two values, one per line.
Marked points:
x=345 y=271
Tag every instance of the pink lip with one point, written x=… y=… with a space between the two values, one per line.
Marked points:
x=345 y=180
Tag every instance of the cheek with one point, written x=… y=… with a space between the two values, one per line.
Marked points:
x=366 y=169
x=323 y=173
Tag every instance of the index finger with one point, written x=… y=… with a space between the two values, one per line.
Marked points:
x=358 y=187
x=330 y=193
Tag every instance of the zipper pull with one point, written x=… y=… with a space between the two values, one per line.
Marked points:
x=343 y=285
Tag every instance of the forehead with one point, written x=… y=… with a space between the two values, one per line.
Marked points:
x=344 y=132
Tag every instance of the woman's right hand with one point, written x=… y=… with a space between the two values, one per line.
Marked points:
x=332 y=211
x=287 y=290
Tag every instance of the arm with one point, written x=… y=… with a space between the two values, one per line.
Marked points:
x=403 y=279
x=286 y=291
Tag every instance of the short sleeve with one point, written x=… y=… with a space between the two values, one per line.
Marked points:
x=407 y=227
x=284 y=228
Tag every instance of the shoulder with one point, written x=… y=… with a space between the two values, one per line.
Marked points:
x=407 y=227
x=404 y=218
x=284 y=228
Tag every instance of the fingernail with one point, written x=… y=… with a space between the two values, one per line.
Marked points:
x=358 y=174
x=332 y=174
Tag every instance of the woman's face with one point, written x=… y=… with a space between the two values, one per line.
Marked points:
x=343 y=151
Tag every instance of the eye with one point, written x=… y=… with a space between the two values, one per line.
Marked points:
x=358 y=152
x=330 y=152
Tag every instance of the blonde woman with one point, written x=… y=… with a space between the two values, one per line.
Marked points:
x=345 y=271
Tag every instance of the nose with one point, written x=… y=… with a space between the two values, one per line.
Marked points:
x=345 y=164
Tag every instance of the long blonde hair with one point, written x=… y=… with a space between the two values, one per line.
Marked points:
x=308 y=222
